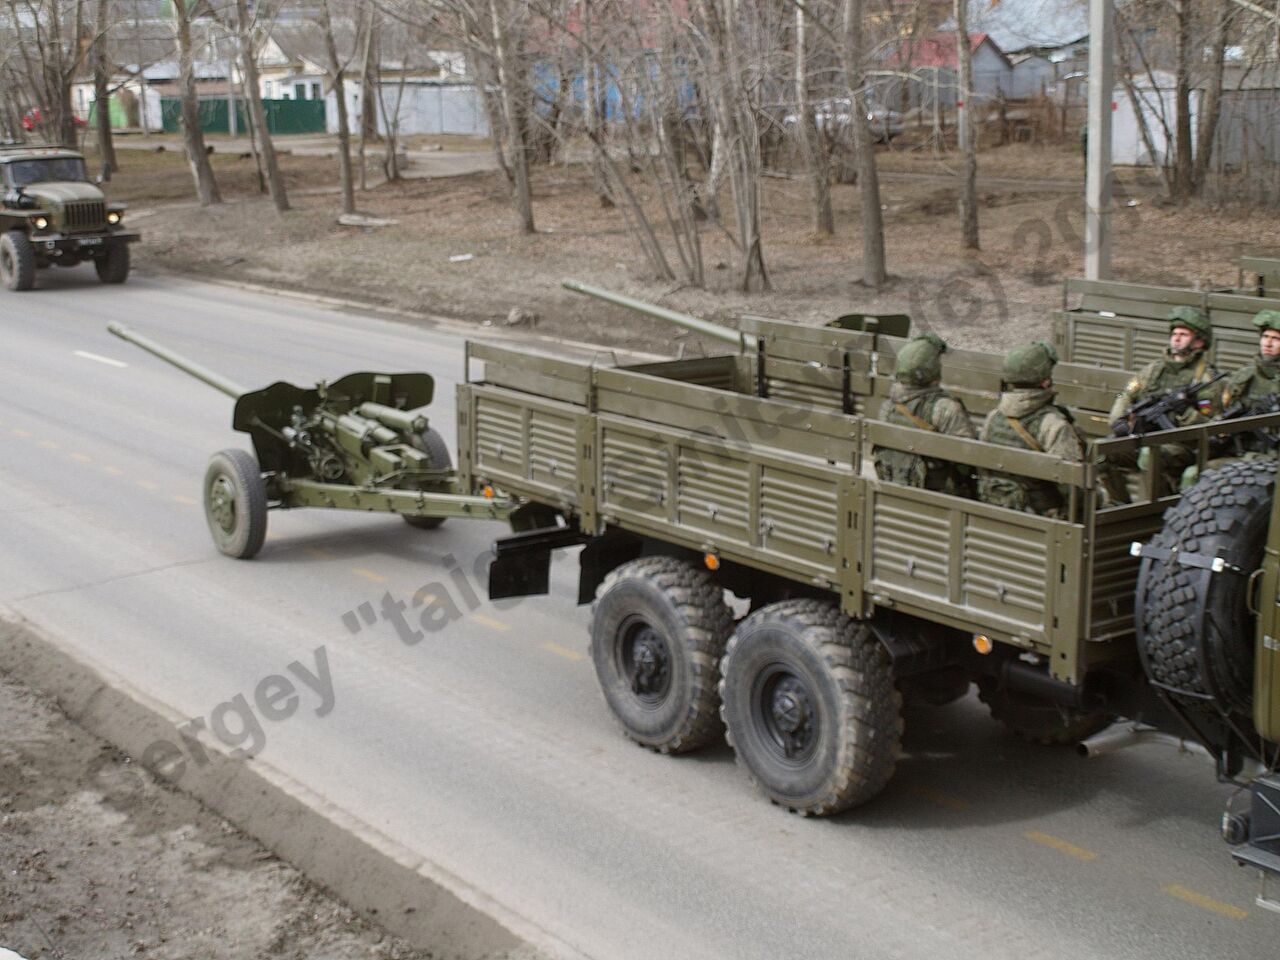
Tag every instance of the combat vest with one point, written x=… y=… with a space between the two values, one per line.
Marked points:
x=911 y=469
x=1042 y=497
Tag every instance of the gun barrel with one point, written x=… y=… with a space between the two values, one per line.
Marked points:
x=744 y=341
x=215 y=380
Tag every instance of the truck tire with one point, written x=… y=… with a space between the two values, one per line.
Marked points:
x=113 y=265
x=1195 y=631
x=658 y=629
x=437 y=451
x=810 y=706
x=235 y=503
x=1037 y=719
x=17 y=261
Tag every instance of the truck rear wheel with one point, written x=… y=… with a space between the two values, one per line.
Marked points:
x=1037 y=719
x=1195 y=631
x=438 y=456
x=17 y=261
x=658 y=629
x=810 y=706
x=113 y=265
x=235 y=503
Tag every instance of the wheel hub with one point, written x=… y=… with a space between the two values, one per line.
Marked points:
x=649 y=663
x=222 y=505
x=792 y=713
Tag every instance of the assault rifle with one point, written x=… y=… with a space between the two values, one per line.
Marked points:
x=1162 y=412
x=1234 y=445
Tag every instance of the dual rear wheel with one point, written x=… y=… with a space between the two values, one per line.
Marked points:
x=804 y=695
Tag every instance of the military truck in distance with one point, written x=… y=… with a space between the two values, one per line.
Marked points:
x=53 y=213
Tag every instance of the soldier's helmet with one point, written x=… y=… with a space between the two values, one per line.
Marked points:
x=1267 y=320
x=920 y=361
x=1194 y=319
x=1029 y=365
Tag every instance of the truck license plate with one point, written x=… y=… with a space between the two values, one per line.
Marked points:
x=90 y=241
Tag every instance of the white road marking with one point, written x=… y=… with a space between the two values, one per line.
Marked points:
x=93 y=356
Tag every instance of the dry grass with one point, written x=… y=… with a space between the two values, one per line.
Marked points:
x=992 y=299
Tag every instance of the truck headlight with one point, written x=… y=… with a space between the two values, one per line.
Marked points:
x=39 y=222
x=114 y=217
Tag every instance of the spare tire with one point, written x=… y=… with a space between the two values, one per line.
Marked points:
x=1195 y=628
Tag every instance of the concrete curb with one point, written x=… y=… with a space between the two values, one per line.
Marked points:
x=391 y=885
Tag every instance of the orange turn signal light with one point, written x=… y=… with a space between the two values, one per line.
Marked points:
x=983 y=644
x=487 y=491
x=711 y=560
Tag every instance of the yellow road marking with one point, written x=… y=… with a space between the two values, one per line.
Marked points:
x=146 y=484
x=1207 y=903
x=941 y=799
x=80 y=457
x=114 y=471
x=565 y=652
x=1062 y=846
x=489 y=622
x=21 y=433
x=185 y=501
x=319 y=553
x=48 y=445
x=369 y=575
x=272 y=535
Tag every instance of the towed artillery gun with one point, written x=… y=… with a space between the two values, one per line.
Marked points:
x=362 y=442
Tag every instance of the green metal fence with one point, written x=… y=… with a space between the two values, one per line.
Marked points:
x=283 y=116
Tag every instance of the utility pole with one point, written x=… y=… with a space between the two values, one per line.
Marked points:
x=1097 y=187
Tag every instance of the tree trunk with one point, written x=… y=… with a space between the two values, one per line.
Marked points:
x=513 y=131
x=968 y=131
x=337 y=73
x=102 y=92
x=258 y=117
x=593 y=119
x=873 y=264
x=367 y=114
x=192 y=135
x=1211 y=107
x=1182 y=170
x=807 y=133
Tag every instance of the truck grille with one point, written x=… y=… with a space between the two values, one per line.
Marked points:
x=86 y=215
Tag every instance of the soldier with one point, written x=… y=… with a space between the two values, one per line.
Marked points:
x=1185 y=363
x=1256 y=384
x=917 y=400
x=1027 y=417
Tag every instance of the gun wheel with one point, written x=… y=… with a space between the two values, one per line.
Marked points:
x=235 y=503
x=810 y=706
x=17 y=261
x=658 y=628
x=432 y=444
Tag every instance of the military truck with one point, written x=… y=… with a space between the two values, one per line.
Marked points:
x=53 y=214
x=750 y=473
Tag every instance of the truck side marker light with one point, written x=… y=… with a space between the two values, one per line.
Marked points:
x=983 y=644
x=711 y=560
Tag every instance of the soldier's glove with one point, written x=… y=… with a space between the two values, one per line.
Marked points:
x=1120 y=427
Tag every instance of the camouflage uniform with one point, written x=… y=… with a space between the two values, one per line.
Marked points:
x=1155 y=380
x=1256 y=381
x=916 y=400
x=1027 y=417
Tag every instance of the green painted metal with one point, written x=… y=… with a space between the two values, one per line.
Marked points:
x=283 y=116
x=352 y=444
x=741 y=340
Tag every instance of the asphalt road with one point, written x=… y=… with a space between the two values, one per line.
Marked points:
x=486 y=746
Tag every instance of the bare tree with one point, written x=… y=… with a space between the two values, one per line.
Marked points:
x=968 y=130
x=337 y=68
x=852 y=51
x=102 y=90
x=249 y=49
x=815 y=159
x=192 y=133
